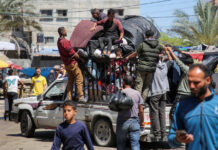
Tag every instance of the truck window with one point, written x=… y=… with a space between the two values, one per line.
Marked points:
x=56 y=92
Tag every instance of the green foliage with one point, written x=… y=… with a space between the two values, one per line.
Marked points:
x=174 y=41
x=13 y=16
x=203 y=28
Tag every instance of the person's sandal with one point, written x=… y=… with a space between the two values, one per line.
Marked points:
x=83 y=100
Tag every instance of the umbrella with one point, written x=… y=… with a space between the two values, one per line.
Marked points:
x=3 y=64
x=14 y=66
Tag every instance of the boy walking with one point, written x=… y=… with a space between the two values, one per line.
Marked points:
x=71 y=133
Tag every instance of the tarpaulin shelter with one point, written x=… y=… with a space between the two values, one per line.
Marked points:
x=46 y=58
x=31 y=71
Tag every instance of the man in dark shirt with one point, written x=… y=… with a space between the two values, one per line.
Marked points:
x=69 y=58
x=148 y=56
x=71 y=133
x=113 y=30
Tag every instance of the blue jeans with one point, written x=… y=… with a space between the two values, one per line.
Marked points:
x=131 y=127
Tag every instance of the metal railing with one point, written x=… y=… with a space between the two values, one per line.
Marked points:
x=103 y=78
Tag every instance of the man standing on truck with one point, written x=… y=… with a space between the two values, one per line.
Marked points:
x=183 y=89
x=69 y=58
x=148 y=57
x=130 y=121
x=157 y=97
x=195 y=119
x=113 y=30
x=11 y=84
x=97 y=15
x=39 y=83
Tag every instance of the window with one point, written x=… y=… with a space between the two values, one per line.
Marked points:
x=46 y=15
x=62 y=15
x=49 y=39
x=56 y=92
x=120 y=12
x=40 y=38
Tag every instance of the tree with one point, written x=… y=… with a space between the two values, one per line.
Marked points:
x=174 y=41
x=13 y=17
x=203 y=28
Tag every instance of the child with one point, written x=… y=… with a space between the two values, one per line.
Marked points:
x=73 y=134
x=117 y=68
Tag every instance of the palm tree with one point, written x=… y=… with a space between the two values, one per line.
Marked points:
x=13 y=17
x=202 y=29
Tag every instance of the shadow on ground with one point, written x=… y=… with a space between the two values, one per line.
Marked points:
x=44 y=136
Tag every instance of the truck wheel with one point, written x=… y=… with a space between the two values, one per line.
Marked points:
x=103 y=133
x=27 y=125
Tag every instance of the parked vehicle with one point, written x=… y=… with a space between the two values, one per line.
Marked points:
x=45 y=111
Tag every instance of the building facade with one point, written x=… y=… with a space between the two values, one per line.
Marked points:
x=68 y=13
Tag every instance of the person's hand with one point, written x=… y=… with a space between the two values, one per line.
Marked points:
x=142 y=125
x=187 y=138
x=169 y=49
x=76 y=56
x=127 y=58
x=93 y=29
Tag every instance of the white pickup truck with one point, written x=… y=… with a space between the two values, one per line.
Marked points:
x=45 y=111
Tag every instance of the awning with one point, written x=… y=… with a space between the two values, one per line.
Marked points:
x=7 y=46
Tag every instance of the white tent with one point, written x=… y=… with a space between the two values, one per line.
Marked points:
x=7 y=46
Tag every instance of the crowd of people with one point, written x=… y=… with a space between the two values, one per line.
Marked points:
x=194 y=111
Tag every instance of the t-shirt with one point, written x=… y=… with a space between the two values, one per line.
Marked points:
x=38 y=84
x=72 y=136
x=12 y=82
x=111 y=27
x=134 y=111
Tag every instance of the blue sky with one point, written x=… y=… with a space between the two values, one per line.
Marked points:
x=164 y=9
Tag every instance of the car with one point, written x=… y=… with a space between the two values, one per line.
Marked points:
x=45 y=111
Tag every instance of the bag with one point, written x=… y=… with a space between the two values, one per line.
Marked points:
x=120 y=101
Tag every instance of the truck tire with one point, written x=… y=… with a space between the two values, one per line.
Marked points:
x=27 y=126
x=103 y=133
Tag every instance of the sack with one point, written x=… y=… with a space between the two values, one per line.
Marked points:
x=120 y=101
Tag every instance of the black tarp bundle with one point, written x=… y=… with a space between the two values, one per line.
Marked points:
x=135 y=28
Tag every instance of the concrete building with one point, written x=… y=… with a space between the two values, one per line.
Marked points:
x=68 y=13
